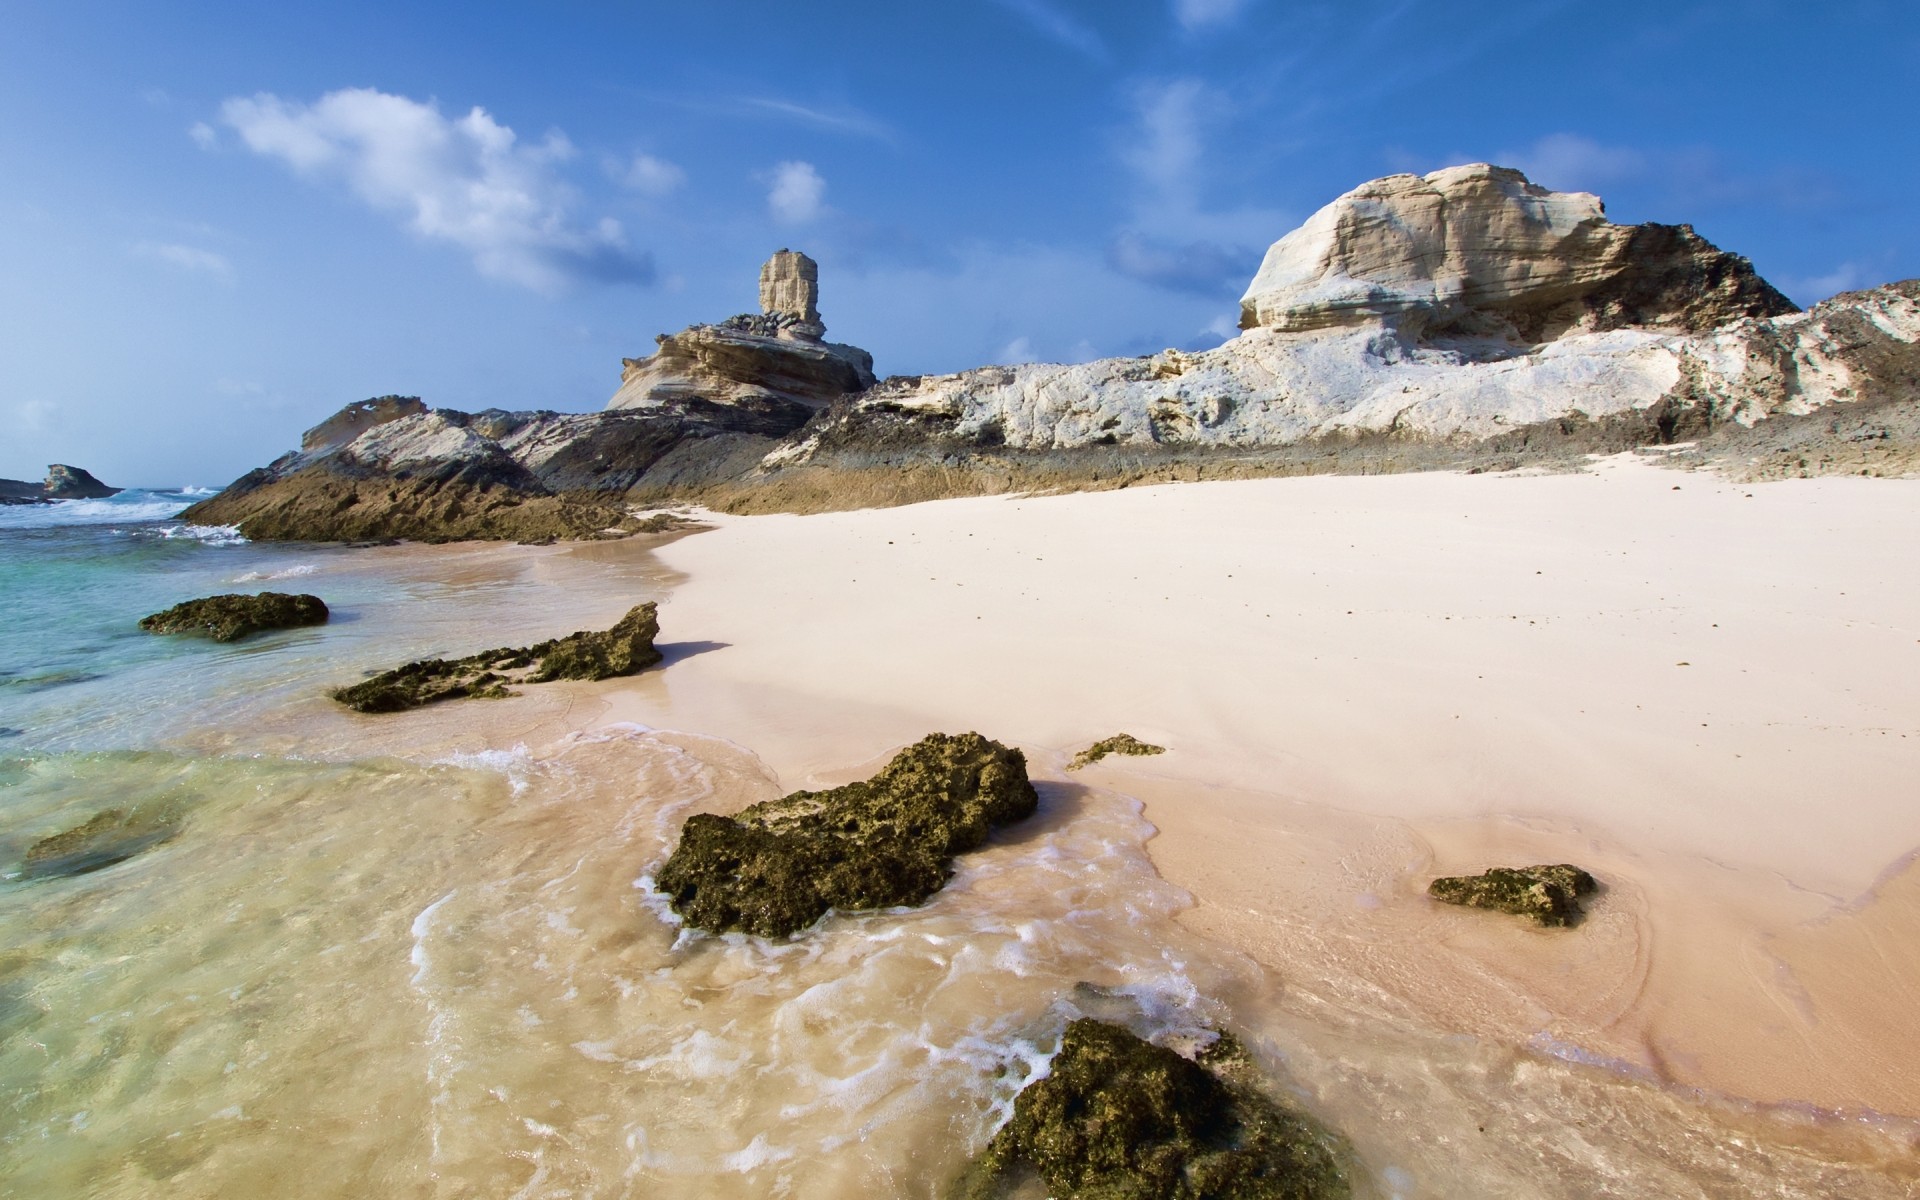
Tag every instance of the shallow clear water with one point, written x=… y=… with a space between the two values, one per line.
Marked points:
x=451 y=978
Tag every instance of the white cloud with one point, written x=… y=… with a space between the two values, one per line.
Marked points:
x=203 y=135
x=1198 y=14
x=652 y=176
x=1058 y=26
x=468 y=181
x=1019 y=350
x=797 y=192
x=1570 y=162
x=1811 y=289
x=186 y=258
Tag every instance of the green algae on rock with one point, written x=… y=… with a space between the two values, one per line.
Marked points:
x=1119 y=743
x=1548 y=894
x=232 y=616
x=625 y=649
x=779 y=866
x=1119 y=1118
x=110 y=837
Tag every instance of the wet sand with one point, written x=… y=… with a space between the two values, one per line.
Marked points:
x=1700 y=690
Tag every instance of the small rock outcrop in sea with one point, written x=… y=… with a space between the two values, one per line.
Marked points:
x=230 y=617
x=109 y=837
x=775 y=356
x=1548 y=894
x=625 y=649
x=1119 y=743
x=355 y=419
x=779 y=866
x=62 y=483
x=1119 y=1118
x=1481 y=251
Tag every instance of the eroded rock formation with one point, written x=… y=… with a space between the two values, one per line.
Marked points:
x=790 y=286
x=62 y=483
x=1119 y=1118
x=778 y=867
x=1548 y=894
x=230 y=617
x=355 y=419
x=625 y=649
x=1481 y=251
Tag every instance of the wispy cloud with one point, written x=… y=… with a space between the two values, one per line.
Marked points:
x=1811 y=289
x=1571 y=162
x=1200 y=14
x=843 y=120
x=186 y=258
x=203 y=135
x=797 y=193
x=468 y=181
x=650 y=176
x=1051 y=22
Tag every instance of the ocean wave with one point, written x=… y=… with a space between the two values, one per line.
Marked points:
x=292 y=572
x=212 y=535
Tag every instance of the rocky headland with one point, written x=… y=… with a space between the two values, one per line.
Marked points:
x=62 y=483
x=1464 y=319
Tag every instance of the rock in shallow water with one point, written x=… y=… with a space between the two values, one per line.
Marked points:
x=625 y=649
x=228 y=618
x=777 y=867
x=110 y=837
x=1119 y=1118
x=1119 y=743
x=1548 y=894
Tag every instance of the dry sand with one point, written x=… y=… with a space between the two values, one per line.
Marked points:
x=1702 y=691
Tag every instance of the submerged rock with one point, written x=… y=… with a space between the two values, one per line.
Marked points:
x=1119 y=743
x=779 y=866
x=1119 y=1118
x=230 y=617
x=109 y=837
x=1548 y=894
x=625 y=649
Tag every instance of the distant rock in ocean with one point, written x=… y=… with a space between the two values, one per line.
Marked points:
x=1466 y=319
x=62 y=483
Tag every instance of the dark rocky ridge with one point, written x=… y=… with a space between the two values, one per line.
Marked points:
x=62 y=483
x=777 y=867
x=235 y=615
x=625 y=649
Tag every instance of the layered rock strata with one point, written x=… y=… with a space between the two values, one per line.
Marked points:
x=1117 y=1117
x=355 y=419
x=230 y=617
x=777 y=867
x=625 y=649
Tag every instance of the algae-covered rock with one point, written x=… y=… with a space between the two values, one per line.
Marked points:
x=1119 y=743
x=779 y=866
x=230 y=617
x=625 y=649
x=109 y=837
x=1119 y=1118
x=1548 y=894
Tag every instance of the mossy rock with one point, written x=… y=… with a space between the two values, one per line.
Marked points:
x=625 y=649
x=230 y=617
x=779 y=866
x=1119 y=1118
x=109 y=837
x=1548 y=894
x=1119 y=743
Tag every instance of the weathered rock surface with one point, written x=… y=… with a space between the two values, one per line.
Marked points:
x=230 y=617
x=625 y=649
x=62 y=483
x=1548 y=894
x=1119 y=1118
x=109 y=837
x=355 y=419
x=778 y=867
x=790 y=286
x=1119 y=743
x=1479 y=250
x=731 y=363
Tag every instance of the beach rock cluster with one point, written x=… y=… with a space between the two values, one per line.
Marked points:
x=1119 y=1118
x=1119 y=743
x=1466 y=319
x=777 y=867
x=1548 y=894
x=625 y=649
x=62 y=483
x=235 y=615
x=109 y=837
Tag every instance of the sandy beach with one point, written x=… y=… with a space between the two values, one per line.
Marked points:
x=1700 y=690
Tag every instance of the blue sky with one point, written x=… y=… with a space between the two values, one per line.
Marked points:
x=220 y=222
